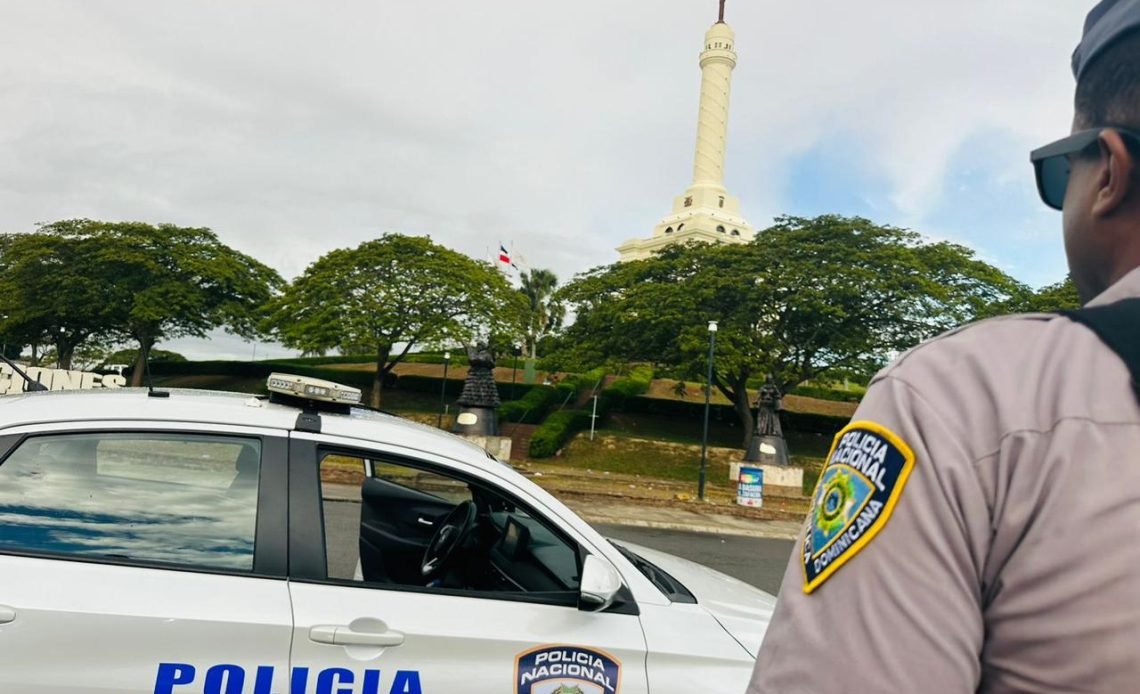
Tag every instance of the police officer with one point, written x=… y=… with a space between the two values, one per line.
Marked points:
x=977 y=526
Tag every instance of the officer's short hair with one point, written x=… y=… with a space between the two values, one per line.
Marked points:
x=1108 y=92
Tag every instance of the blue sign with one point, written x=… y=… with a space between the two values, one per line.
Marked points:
x=750 y=487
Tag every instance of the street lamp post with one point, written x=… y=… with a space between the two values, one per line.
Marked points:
x=443 y=390
x=708 y=395
x=514 y=368
x=58 y=351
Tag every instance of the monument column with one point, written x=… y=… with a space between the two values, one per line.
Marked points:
x=705 y=212
x=717 y=62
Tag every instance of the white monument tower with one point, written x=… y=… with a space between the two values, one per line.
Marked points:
x=705 y=211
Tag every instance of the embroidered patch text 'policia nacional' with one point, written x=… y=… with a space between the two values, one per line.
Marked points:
x=565 y=669
x=857 y=490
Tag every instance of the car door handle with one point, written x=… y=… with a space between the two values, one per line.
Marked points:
x=7 y=614
x=424 y=521
x=346 y=636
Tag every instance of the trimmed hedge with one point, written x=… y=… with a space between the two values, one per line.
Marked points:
x=833 y=394
x=560 y=426
x=792 y=421
x=357 y=379
x=431 y=384
x=533 y=407
x=556 y=431
x=261 y=370
x=621 y=390
x=589 y=379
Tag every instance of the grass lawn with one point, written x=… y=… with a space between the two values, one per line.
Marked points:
x=664 y=460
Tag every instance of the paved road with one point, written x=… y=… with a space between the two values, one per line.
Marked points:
x=752 y=560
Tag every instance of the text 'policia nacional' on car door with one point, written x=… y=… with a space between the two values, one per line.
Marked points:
x=436 y=580
x=124 y=551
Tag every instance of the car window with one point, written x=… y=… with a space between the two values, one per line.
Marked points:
x=381 y=515
x=437 y=485
x=183 y=499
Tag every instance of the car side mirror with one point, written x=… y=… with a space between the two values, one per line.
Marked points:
x=600 y=584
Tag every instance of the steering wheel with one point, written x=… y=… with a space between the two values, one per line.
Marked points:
x=449 y=537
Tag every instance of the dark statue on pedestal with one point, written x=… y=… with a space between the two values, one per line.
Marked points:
x=767 y=445
x=480 y=396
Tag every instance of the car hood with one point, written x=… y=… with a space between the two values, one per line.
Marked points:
x=743 y=610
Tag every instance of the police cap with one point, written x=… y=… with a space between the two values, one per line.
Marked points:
x=1107 y=22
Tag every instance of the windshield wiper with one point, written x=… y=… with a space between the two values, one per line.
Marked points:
x=671 y=587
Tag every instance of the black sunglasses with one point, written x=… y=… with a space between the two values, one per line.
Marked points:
x=1052 y=166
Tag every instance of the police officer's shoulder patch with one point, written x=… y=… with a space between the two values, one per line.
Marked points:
x=865 y=473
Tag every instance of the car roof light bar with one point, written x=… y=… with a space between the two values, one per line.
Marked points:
x=314 y=390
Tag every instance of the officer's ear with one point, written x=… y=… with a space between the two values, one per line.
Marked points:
x=1117 y=177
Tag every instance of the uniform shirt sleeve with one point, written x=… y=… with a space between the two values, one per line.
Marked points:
x=903 y=613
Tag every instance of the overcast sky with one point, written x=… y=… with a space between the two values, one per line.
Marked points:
x=561 y=129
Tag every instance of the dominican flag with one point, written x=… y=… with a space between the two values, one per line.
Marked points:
x=504 y=255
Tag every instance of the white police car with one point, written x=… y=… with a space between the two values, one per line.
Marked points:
x=215 y=543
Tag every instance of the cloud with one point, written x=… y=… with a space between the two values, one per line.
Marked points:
x=292 y=128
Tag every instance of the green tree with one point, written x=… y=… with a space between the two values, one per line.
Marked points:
x=544 y=311
x=1054 y=297
x=153 y=282
x=48 y=296
x=809 y=298
x=389 y=295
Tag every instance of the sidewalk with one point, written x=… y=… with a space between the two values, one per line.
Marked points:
x=673 y=518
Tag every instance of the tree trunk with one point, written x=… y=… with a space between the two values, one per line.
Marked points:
x=65 y=351
x=139 y=373
x=382 y=353
x=736 y=390
x=743 y=409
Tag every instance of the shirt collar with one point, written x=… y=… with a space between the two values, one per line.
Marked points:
x=1126 y=287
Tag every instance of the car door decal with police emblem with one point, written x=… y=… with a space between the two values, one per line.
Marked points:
x=865 y=473
x=561 y=669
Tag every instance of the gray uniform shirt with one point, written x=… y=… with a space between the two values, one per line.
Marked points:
x=1011 y=561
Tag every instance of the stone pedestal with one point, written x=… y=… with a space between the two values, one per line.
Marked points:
x=498 y=446
x=476 y=421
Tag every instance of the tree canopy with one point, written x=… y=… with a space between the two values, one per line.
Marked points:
x=827 y=297
x=75 y=279
x=390 y=295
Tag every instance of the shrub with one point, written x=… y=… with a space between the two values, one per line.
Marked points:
x=530 y=408
x=429 y=384
x=556 y=431
x=826 y=393
x=621 y=390
x=534 y=406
